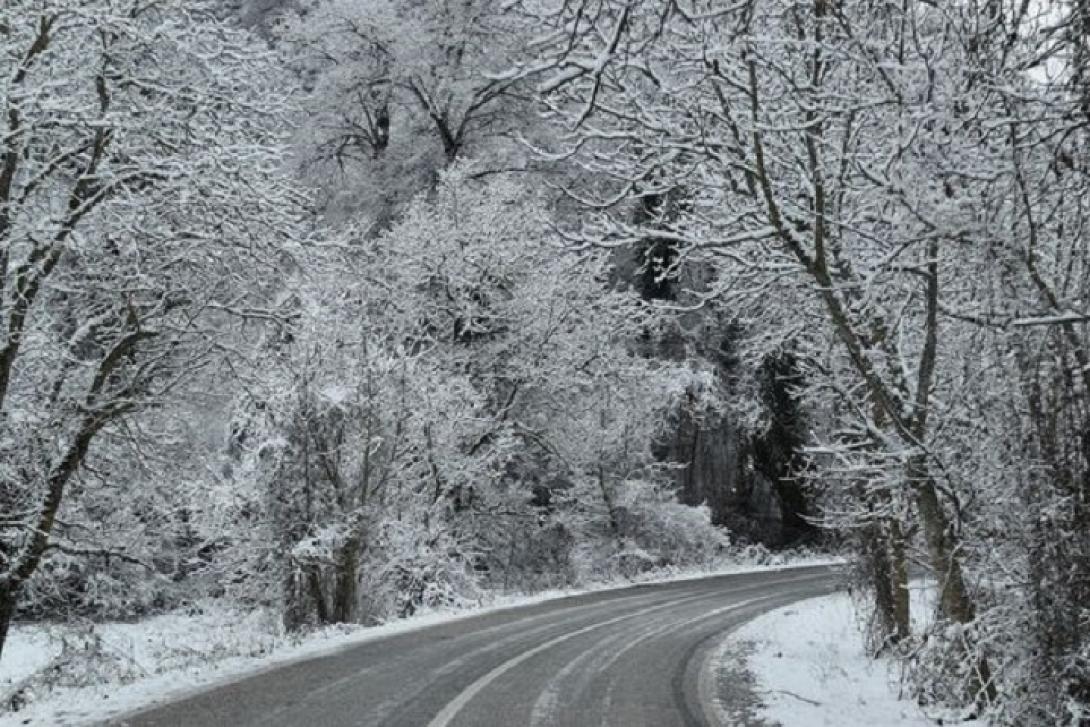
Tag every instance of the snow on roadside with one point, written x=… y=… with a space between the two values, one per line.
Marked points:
x=170 y=656
x=811 y=670
x=26 y=651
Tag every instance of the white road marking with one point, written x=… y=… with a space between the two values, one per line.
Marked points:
x=454 y=706
x=588 y=661
x=546 y=708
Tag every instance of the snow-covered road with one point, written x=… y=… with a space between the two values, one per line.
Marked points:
x=626 y=657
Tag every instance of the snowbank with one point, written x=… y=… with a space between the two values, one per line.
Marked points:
x=72 y=675
x=27 y=651
x=810 y=668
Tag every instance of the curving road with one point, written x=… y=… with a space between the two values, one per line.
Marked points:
x=628 y=658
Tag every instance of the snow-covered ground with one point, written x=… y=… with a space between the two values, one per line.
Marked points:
x=811 y=670
x=74 y=675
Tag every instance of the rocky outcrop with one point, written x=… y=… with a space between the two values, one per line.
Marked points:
x=745 y=478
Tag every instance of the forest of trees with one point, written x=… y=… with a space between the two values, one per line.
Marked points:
x=347 y=308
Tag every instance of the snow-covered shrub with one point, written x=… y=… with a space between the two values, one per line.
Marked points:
x=643 y=528
x=409 y=569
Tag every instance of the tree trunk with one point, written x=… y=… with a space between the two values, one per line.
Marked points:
x=314 y=583
x=899 y=581
x=346 y=591
x=607 y=498
x=884 y=556
x=7 y=611
x=884 y=549
x=879 y=569
x=954 y=600
x=294 y=612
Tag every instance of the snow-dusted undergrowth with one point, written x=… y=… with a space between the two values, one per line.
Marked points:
x=71 y=675
x=812 y=670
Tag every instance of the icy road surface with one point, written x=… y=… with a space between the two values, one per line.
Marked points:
x=632 y=657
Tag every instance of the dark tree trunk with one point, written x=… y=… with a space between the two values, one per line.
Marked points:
x=879 y=571
x=314 y=583
x=955 y=602
x=346 y=591
x=899 y=581
x=294 y=612
x=7 y=611
x=607 y=498
x=883 y=545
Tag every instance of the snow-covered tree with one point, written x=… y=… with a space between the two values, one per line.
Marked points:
x=141 y=206
x=400 y=89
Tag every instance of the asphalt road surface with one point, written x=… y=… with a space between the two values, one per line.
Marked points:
x=635 y=657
